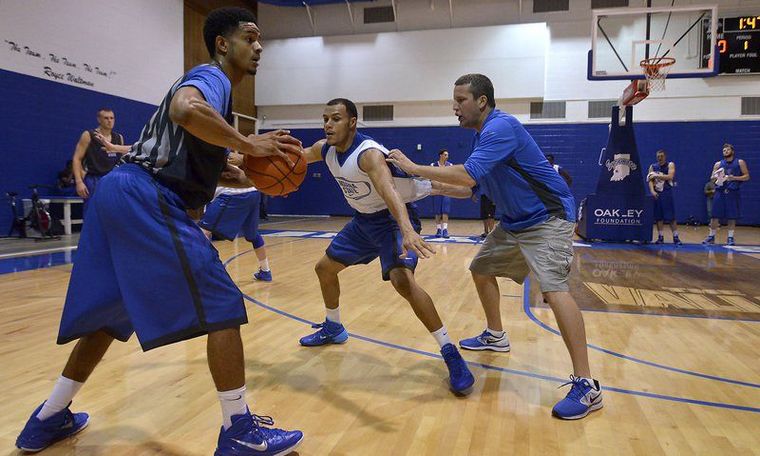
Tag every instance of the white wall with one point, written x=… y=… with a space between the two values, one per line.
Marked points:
x=132 y=49
x=408 y=66
x=564 y=75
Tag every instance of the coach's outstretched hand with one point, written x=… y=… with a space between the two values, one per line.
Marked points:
x=399 y=159
x=278 y=142
x=413 y=242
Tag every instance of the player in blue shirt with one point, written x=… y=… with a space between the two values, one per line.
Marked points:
x=143 y=266
x=728 y=175
x=535 y=231
x=661 y=180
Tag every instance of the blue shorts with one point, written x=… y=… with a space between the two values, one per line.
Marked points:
x=229 y=214
x=664 y=209
x=368 y=236
x=726 y=205
x=143 y=266
x=91 y=182
x=441 y=205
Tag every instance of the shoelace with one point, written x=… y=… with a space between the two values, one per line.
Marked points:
x=262 y=420
x=455 y=365
x=576 y=390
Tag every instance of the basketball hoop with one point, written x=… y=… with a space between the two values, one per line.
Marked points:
x=656 y=70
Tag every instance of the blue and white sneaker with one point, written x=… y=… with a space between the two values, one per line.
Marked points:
x=709 y=240
x=329 y=333
x=248 y=437
x=262 y=275
x=38 y=435
x=584 y=397
x=460 y=377
x=445 y=234
x=486 y=341
x=438 y=233
x=730 y=241
x=660 y=240
x=677 y=241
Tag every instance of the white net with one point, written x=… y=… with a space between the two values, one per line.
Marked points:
x=656 y=70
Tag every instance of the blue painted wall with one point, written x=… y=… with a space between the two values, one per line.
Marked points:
x=693 y=146
x=40 y=124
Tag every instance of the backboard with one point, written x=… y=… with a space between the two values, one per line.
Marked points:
x=623 y=37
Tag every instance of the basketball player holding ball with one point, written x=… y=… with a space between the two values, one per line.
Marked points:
x=386 y=225
x=144 y=266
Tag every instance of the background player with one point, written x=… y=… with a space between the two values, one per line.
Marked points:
x=385 y=225
x=442 y=203
x=236 y=210
x=729 y=174
x=661 y=180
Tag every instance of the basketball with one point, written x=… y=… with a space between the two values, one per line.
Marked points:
x=273 y=175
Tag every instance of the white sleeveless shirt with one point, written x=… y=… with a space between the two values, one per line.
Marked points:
x=357 y=186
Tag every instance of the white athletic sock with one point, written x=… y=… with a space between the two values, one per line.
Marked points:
x=497 y=334
x=445 y=226
x=438 y=226
x=730 y=233
x=233 y=403
x=264 y=264
x=333 y=314
x=712 y=232
x=675 y=233
x=63 y=392
x=659 y=232
x=441 y=336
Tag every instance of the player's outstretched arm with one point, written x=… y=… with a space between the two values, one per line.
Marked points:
x=314 y=152
x=373 y=163
x=190 y=110
x=452 y=191
x=454 y=175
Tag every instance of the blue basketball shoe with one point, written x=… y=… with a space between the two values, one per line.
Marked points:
x=486 y=341
x=329 y=333
x=262 y=275
x=730 y=241
x=460 y=377
x=445 y=233
x=584 y=397
x=248 y=437
x=438 y=233
x=709 y=240
x=677 y=240
x=660 y=240
x=38 y=435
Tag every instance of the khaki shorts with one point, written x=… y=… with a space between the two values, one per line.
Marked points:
x=546 y=249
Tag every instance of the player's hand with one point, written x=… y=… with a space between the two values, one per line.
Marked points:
x=413 y=242
x=107 y=145
x=277 y=142
x=82 y=190
x=399 y=159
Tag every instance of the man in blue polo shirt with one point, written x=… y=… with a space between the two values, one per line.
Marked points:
x=537 y=220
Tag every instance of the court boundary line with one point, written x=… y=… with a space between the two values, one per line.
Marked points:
x=528 y=311
x=528 y=374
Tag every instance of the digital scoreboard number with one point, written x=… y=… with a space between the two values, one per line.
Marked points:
x=738 y=43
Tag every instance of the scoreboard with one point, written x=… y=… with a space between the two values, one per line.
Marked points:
x=738 y=42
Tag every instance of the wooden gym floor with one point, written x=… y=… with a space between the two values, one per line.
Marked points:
x=674 y=336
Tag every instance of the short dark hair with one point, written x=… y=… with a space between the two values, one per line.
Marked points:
x=550 y=157
x=350 y=106
x=730 y=146
x=221 y=22
x=479 y=85
x=442 y=151
x=104 y=109
x=663 y=152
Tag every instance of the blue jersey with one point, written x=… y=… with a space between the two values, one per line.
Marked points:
x=187 y=165
x=661 y=186
x=509 y=168
x=731 y=168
